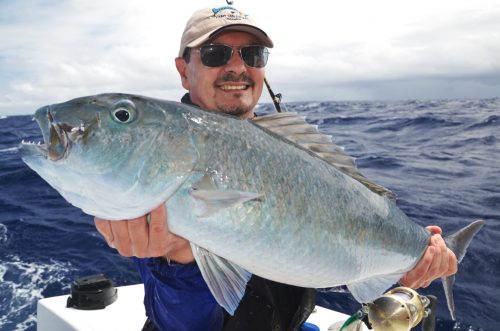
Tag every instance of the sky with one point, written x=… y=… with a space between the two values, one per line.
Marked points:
x=55 y=50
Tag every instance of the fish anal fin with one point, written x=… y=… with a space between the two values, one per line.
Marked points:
x=227 y=281
x=205 y=183
x=367 y=290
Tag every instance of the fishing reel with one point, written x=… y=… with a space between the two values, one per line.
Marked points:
x=399 y=309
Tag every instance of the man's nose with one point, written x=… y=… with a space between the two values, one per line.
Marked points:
x=236 y=63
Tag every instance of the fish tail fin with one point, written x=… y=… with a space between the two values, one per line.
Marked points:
x=458 y=243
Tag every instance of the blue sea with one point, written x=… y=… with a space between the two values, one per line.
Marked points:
x=441 y=158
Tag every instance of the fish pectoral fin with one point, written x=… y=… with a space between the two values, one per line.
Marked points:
x=205 y=183
x=208 y=201
x=367 y=290
x=226 y=280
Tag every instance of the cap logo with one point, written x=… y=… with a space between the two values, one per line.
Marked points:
x=216 y=10
x=233 y=15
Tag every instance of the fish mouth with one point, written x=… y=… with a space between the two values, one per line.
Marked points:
x=58 y=137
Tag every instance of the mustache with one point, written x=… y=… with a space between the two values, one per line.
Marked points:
x=231 y=77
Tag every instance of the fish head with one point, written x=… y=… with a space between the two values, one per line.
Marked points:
x=115 y=156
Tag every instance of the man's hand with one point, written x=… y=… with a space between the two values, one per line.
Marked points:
x=137 y=237
x=438 y=261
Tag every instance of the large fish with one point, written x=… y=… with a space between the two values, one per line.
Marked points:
x=271 y=196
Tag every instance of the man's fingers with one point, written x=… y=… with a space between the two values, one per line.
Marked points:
x=452 y=263
x=104 y=228
x=434 y=229
x=146 y=236
x=414 y=278
x=438 y=261
x=445 y=261
x=437 y=265
x=449 y=261
x=121 y=237
x=158 y=232
x=139 y=238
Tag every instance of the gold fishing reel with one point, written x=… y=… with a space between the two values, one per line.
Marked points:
x=399 y=309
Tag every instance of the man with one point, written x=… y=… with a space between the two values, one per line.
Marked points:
x=221 y=63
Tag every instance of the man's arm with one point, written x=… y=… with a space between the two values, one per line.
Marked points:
x=137 y=237
x=175 y=295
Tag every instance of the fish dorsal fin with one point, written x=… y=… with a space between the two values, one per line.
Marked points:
x=294 y=128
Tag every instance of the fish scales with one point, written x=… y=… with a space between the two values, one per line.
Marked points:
x=311 y=215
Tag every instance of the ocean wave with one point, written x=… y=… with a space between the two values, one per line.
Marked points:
x=22 y=284
x=3 y=234
x=493 y=120
x=9 y=150
x=488 y=140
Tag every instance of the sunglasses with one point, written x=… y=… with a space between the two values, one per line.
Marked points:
x=217 y=55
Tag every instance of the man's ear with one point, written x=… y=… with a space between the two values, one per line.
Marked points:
x=181 y=66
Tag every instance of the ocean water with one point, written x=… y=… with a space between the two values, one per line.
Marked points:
x=441 y=158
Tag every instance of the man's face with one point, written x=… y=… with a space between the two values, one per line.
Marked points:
x=233 y=88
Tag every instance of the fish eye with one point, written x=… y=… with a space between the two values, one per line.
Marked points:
x=123 y=111
x=122 y=115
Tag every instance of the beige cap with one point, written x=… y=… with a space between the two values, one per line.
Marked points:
x=208 y=22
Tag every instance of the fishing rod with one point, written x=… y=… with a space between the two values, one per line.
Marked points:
x=275 y=97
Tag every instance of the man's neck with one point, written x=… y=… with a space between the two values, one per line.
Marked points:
x=186 y=98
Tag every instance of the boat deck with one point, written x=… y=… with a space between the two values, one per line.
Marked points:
x=128 y=313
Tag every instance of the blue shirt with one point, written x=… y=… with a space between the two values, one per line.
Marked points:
x=177 y=298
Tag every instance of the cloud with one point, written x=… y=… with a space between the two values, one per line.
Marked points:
x=55 y=50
